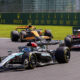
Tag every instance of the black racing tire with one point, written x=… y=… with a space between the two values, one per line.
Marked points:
x=48 y=33
x=62 y=55
x=69 y=36
x=22 y=35
x=14 y=35
x=0 y=59
x=32 y=61
x=29 y=61
x=25 y=63
x=68 y=41
x=25 y=60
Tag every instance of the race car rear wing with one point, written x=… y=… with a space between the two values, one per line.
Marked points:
x=21 y=27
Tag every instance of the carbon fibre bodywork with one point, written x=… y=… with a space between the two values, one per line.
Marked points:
x=23 y=33
x=30 y=57
x=73 y=41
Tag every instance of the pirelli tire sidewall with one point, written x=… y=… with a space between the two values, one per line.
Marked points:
x=15 y=35
x=25 y=60
x=22 y=35
x=62 y=55
x=32 y=61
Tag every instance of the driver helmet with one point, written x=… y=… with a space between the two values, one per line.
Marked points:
x=32 y=44
x=30 y=26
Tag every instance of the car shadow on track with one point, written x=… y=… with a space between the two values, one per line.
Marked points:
x=75 y=49
x=19 y=69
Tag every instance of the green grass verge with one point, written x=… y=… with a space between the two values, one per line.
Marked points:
x=59 y=32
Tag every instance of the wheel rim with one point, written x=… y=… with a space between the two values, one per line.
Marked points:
x=33 y=62
x=25 y=63
x=68 y=55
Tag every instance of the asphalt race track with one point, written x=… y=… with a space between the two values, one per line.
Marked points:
x=69 y=71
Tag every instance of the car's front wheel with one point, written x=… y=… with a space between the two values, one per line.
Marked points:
x=32 y=61
x=25 y=63
x=62 y=55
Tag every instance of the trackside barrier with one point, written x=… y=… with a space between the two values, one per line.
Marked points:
x=71 y=19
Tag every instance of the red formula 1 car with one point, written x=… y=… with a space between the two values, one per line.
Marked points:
x=73 y=41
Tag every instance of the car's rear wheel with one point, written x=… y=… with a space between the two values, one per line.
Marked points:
x=14 y=35
x=49 y=34
x=62 y=55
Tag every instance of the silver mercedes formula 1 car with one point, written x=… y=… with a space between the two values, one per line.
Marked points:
x=35 y=54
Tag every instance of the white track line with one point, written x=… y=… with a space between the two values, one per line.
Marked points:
x=4 y=38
